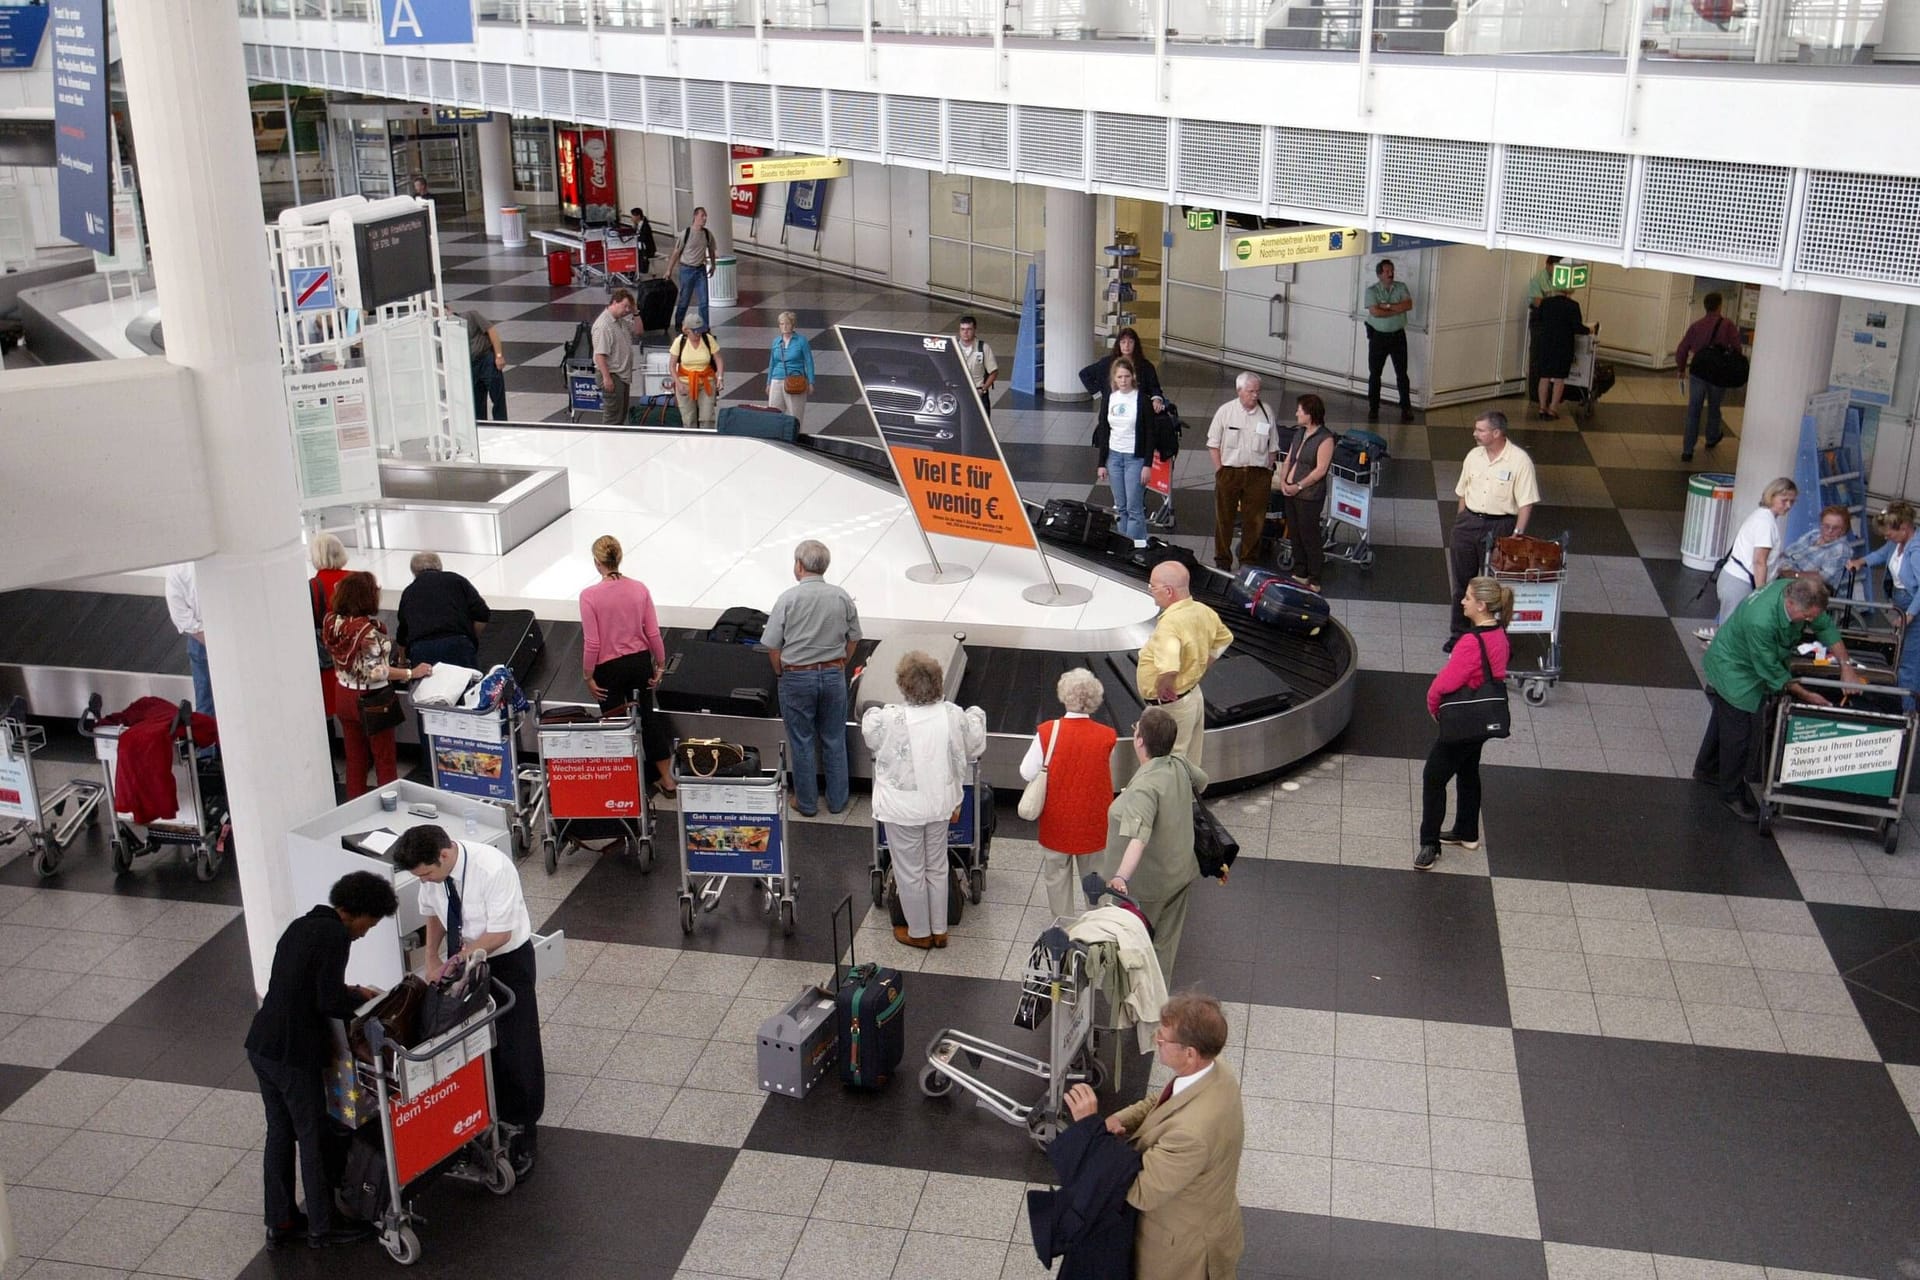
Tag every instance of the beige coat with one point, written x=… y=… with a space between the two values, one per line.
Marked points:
x=1187 y=1189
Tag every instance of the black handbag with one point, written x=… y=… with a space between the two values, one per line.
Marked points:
x=454 y=998
x=1214 y=847
x=380 y=710
x=1719 y=364
x=1475 y=715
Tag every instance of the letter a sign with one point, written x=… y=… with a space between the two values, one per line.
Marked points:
x=426 y=22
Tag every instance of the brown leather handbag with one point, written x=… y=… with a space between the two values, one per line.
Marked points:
x=398 y=1014
x=796 y=384
x=1523 y=554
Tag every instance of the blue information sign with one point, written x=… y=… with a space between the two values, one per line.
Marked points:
x=805 y=201
x=426 y=21
x=21 y=30
x=1394 y=242
x=80 y=122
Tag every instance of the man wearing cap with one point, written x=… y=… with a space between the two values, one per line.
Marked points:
x=697 y=371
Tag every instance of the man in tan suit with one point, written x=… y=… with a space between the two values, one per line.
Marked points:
x=1188 y=1135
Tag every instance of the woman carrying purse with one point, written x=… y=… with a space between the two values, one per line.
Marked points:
x=790 y=371
x=1302 y=482
x=363 y=675
x=1481 y=652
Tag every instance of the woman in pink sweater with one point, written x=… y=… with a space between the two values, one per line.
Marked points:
x=1488 y=605
x=622 y=653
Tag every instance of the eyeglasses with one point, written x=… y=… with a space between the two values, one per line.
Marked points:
x=1161 y=1037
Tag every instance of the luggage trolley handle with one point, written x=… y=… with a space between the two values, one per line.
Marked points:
x=1845 y=690
x=433 y=1047
x=846 y=905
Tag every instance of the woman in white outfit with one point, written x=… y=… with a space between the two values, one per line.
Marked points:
x=921 y=752
x=1749 y=564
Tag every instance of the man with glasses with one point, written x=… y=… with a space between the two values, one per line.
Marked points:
x=1188 y=638
x=1189 y=1134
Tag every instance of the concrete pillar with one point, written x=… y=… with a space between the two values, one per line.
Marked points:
x=186 y=93
x=1071 y=247
x=495 y=140
x=713 y=190
x=1792 y=359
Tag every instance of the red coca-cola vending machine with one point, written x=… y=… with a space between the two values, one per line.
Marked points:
x=584 y=158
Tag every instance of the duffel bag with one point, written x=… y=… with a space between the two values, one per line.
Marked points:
x=1522 y=554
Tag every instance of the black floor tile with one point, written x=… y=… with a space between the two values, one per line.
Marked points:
x=1413 y=575
x=1612 y=648
x=1408 y=478
x=1656 y=833
x=1596 y=531
x=86 y=866
x=1388 y=716
x=1321 y=1248
x=1679 y=589
x=485 y=272
x=1641 y=490
x=189 y=1027
x=1878 y=952
x=520 y=353
x=1049 y=463
x=504 y=293
x=567 y=312
x=15 y=1081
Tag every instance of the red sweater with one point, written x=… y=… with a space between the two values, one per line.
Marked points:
x=1463 y=669
x=1079 y=785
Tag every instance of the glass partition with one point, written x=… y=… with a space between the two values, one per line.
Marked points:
x=629 y=13
x=497 y=11
x=1809 y=32
x=712 y=14
x=1082 y=19
x=352 y=8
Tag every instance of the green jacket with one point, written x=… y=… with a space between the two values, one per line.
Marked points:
x=1157 y=806
x=1750 y=653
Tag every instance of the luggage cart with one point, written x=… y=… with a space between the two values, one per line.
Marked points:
x=475 y=752
x=1845 y=765
x=1536 y=612
x=734 y=827
x=969 y=835
x=49 y=822
x=1054 y=985
x=436 y=1102
x=1350 y=493
x=200 y=828
x=589 y=784
x=1589 y=377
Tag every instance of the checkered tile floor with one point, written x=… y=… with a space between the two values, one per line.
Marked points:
x=1627 y=1039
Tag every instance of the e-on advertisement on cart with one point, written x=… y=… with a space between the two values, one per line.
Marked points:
x=591 y=773
x=734 y=831
x=1834 y=754
x=938 y=438
x=469 y=753
x=440 y=1120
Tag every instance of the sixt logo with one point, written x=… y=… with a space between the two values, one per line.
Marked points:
x=934 y=344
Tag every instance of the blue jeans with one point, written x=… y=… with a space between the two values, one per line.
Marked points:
x=691 y=280
x=1699 y=392
x=1910 y=653
x=458 y=650
x=814 y=706
x=202 y=687
x=1127 y=474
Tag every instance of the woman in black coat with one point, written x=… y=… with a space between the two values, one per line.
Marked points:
x=1097 y=376
x=1556 y=326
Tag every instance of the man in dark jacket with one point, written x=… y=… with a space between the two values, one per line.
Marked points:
x=1087 y=1222
x=441 y=616
x=289 y=1046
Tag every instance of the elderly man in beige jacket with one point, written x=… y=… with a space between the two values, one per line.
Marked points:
x=1189 y=1135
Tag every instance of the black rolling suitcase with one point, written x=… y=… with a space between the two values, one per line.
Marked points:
x=1159 y=549
x=1070 y=521
x=1242 y=687
x=739 y=625
x=869 y=1014
x=1269 y=598
x=654 y=299
x=512 y=637
x=721 y=679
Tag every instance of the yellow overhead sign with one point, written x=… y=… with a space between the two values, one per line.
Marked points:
x=747 y=173
x=1297 y=244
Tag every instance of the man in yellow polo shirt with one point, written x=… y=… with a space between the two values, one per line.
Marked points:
x=1186 y=641
x=1497 y=492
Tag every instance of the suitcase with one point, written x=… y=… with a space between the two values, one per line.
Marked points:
x=656 y=371
x=1076 y=523
x=738 y=625
x=1241 y=687
x=560 y=269
x=1357 y=450
x=721 y=679
x=654 y=299
x=1267 y=597
x=877 y=684
x=758 y=422
x=870 y=1014
x=798 y=1044
x=513 y=638
x=956 y=890
x=1159 y=549
x=1520 y=553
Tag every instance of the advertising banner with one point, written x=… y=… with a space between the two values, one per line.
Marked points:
x=16 y=787
x=332 y=420
x=942 y=447
x=806 y=201
x=1536 y=607
x=1856 y=757
x=22 y=27
x=440 y=1121
x=591 y=774
x=469 y=754
x=129 y=249
x=1351 y=503
x=732 y=830
x=1866 y=349
x=584 y=160
x=81 y=124
x=746 y=196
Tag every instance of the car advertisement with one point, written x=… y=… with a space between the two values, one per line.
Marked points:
x=942 y=447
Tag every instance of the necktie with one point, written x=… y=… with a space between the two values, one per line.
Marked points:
x=1166 y=1094
x=453 y=918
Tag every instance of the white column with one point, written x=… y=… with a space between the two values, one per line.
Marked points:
x=1792 y=359
x=186 y=92
x=713 y=190
x=1070 y=345
x=495 y=140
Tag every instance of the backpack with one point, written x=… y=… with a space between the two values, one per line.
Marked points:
x=363 y=1184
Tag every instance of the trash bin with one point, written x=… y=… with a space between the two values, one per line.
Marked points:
x=1708 y=529
x=513 y=227
x=560 y=269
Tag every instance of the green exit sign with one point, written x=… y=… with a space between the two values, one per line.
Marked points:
x=1570 y=276
x=1202 y=219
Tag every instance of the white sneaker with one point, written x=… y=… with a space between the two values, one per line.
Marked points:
x=1703 y=634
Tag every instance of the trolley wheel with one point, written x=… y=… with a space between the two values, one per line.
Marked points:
x=643 y=854
x=1763 y=817
x=1890 y=834
x=934 y=1082
x=686 y=913
x=550 y=853
x=122 y=851
x=402 y=1245
x=1096 y=1070
x=46 y=856
x=205 y=866
x=1043 y=1127
x=500 y=1177
x=521 y=840
x=976 y=884
x=786 y=915
x=878 y=887
x=1535 y=692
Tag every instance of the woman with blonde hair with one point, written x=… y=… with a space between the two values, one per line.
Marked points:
x=1746 y=568
x=790 y=370
x=329 y=558
x=1077 y=753
x=1903 y=580
x=1488 y=604
x=622 y=653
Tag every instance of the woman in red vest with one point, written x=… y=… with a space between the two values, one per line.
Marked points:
x=1077 y=753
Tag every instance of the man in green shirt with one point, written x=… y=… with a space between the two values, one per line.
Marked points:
x=1387 y=303
x=1749 y=660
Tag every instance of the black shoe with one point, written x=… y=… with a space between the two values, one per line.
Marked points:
x=523 y=1163
x=1448 y=646
x=1458 y=840
x=1701 y=775
x=1406 y=415
x=1373 y=415
x=349 y=1233
x=1740 y=808
x=1687 y=457
x=1225 y=566
x=277 y=1236
x=1428 y=855
x=1714 y=440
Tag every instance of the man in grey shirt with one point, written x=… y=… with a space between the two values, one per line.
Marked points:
x=811 y=634
x=613 y=357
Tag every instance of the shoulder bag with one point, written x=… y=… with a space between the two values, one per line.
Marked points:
x=1034 y=798
x=1720 y=364
x=380 y=710
x=709 y=757
x=1475 y=715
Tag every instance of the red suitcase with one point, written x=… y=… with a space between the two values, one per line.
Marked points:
x=560 y=269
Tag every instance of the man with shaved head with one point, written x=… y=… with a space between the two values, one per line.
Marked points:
x=1187 y=640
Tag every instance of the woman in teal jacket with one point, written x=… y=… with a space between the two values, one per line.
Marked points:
x=790 y=371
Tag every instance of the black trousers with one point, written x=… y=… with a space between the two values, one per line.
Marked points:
x=1459 y=763
x=1466 y=549
x=519 y=1067
x=1728 y=749
x=296 y=1105
x=628 y=674
x=1382 y=347
x=1303 y=530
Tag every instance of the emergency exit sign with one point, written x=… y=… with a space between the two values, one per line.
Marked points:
x=1570 y=275
x=1202 y=219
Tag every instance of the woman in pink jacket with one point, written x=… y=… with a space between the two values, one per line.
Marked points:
x=622 y=653
x=1488 y=605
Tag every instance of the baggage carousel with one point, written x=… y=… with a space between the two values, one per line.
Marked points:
x=59 y=645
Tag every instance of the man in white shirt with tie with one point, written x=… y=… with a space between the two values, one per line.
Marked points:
x=470 y=895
